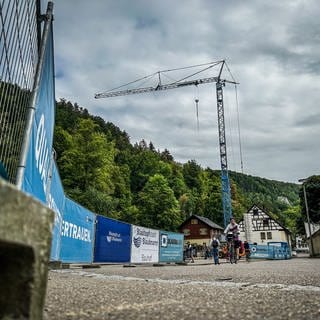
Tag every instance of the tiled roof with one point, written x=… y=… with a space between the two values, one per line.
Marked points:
x=208 y=222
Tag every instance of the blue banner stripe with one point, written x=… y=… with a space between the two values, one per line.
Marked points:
x=112 y=243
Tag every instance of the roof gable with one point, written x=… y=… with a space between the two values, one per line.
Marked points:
x=205 y=220
x=267 y=214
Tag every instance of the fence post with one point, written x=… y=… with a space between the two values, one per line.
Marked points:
x=33 y=100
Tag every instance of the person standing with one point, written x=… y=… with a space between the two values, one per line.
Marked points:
x=247 y=250
x=190 y=251
x=215 y=243
x=206 y=251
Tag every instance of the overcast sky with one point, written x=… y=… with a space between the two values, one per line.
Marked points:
x=272 y=49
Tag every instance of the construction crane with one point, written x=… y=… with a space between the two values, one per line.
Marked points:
x=220 y=83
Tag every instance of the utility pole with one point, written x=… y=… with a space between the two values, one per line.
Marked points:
x=307 y=212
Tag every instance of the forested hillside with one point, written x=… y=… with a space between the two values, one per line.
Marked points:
x=139 y=184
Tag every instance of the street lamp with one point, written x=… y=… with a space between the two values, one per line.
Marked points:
x=307 y=212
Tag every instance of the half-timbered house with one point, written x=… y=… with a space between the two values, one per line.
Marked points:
x=258 y=227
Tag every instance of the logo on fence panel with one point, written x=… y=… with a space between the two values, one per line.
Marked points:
x=164 y=240
x=137 y=241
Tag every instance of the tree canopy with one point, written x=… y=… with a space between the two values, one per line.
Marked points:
x=139 y=184
x=312 y=188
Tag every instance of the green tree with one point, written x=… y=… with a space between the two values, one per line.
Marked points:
x=143 y=164
x=237 y=201
x=176 y=180
x=191 y=174
x=87 y=163
x=122 y=192
x=166 y=155
x=312 y=187
x=213 y=206
x=97 y=201
x=187 y=205
x=158 y=205
x=67 y=115
x=291 y=215
x=62 y=141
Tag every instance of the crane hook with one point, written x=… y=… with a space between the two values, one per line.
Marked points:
x=197 y=112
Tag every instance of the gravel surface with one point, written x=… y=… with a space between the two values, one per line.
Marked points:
x=286 y=289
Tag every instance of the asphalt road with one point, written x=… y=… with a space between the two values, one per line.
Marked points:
x=286 y=289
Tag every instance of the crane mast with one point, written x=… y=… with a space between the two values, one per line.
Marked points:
x=225 y=183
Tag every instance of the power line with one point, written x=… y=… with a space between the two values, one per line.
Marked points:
x=239 y=132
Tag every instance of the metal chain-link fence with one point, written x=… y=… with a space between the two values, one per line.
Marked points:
x=19 y=45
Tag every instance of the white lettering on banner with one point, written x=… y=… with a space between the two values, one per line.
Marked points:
x=174 y=241
x=146 y=258
x=52 y=205
x=149 y=242
x=71 y=230
x=114 y=236
x=149 y=233
x=42 y=152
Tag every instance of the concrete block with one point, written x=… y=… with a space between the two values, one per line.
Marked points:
x=54 y=265
x=25 y=242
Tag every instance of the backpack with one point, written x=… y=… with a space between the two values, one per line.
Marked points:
x=214 y=243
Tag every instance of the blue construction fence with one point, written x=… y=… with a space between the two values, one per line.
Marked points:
x=116 y=241
x=79 y=235
x=83 y=237
x=272 y=250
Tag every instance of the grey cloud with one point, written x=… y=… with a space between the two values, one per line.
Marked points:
x=308 y=121
x=271 y=47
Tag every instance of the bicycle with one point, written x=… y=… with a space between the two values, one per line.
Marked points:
x=232 y=252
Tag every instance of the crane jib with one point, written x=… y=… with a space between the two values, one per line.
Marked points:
x=225 y=183
x=159 y=87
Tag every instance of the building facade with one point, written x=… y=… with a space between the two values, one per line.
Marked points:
x=199 y=230
x=316 y=243
x=315 y=236
x=258 y=227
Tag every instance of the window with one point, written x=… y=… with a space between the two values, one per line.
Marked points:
x=269 y=235
x=266 y=222
x=194 y=221
x=255 y=212
x=203 y=231
x=186 y=232
x=262 y=235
